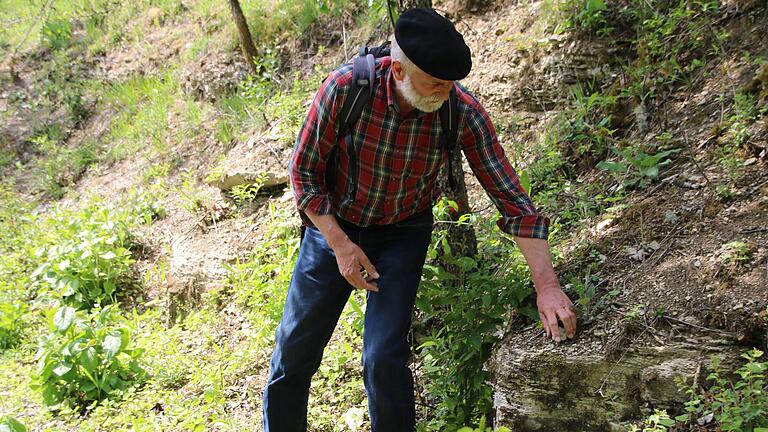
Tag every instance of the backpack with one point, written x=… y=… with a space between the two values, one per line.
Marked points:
x=364 y=87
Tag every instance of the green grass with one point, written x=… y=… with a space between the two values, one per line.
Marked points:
x=103 y=21
x=142 y=104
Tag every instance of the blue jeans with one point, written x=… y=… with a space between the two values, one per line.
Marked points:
x=316 y=297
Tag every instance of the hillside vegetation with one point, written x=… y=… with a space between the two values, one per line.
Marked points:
x=147 y=236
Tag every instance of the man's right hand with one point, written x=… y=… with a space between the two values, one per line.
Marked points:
x=353 y=264
x=351 y=259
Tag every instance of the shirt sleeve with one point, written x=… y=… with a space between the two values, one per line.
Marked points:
x=519 y=217
x=314 y=145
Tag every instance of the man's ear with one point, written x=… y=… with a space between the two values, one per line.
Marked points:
x=397 y=70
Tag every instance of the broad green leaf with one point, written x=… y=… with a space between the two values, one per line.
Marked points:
x=111 y=346
x=525 y=181
x=62 y=368
x=466 y=263
x=70 y=286
x=109 y=287
x=423 y=304
x=613 y=167
x=666 y=422
x=108 y=256
x=88 y=360
x=64 y=318
x=651 y=172
x=10 y=424
x=486 y=300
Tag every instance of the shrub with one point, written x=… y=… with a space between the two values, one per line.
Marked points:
x=87 y=256
x=742 y=405
x=85 y=358
x=737 y=406
x=462 y=303
x=10 y=324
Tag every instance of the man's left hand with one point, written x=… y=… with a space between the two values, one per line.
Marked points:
x=553 y=304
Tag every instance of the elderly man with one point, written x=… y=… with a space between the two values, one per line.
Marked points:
x=369 y=224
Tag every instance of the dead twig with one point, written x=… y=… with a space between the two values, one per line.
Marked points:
x=753 y=231
x=693 y=159
x=723 y=332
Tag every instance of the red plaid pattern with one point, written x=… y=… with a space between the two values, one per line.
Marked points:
x=398 y=159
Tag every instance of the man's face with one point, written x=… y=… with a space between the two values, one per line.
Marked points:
x=422 y=90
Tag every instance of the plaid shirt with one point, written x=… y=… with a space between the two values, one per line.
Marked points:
x=398 y=159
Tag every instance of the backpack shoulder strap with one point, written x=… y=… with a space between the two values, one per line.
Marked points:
x=363 y=88
x=449 y=121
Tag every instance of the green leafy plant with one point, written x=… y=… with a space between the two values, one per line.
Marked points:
x=673 y=41
x=744 y=112
x=587 y=131
x=737 y=406
x=736 y=252
x=261 y=282
x=248 y=192
x=586 y=15
x=11 y=314
x=56 y=33
x=659 y=421
x=85 y=358
x=86 y=256
x=190 y=191
x=60 y=165
x=460 y=312
x=481 y=428
x=10 y=424
x=589 y=300
x=637 y=168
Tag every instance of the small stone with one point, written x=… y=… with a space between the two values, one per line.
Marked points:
x=750 y=161
x=707 y=419
x=670 y=216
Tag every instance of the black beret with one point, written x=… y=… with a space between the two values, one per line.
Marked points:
x=432 y=43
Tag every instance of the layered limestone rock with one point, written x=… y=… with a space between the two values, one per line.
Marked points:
x=569 y=388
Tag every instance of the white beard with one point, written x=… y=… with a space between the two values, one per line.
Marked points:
x=422 y=103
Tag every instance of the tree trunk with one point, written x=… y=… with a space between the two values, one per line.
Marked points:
x=404 y=5
x=246 y=42
x=462 y=238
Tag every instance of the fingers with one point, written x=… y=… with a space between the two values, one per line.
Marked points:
x=544 y=324
x=359 y=282
x=550 y=325
x=359 y=271
x=368 y=267
x=356 y=279
x=568 y=318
